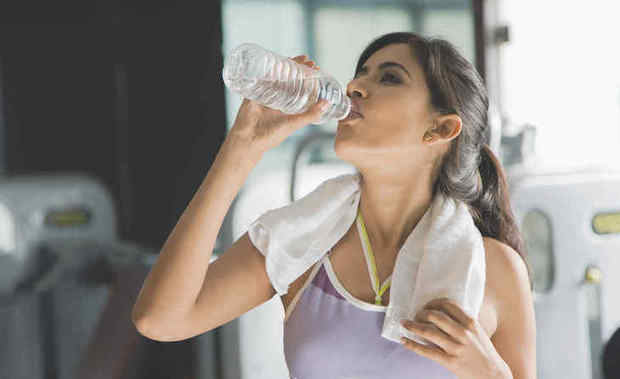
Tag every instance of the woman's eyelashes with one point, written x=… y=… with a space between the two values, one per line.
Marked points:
x=394 y=79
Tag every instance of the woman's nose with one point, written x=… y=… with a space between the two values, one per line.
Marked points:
x=354 y=90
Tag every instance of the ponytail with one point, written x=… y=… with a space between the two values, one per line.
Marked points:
x=492 y=211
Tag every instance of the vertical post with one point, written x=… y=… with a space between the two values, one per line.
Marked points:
x=121 y=121
x=478 y=7
x=3 y=144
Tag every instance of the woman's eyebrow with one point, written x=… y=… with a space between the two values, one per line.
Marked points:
x=383 y=65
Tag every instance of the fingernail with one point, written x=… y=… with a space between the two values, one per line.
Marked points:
x=324 y=106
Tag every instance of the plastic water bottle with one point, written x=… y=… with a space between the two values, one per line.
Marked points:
x=281 y=83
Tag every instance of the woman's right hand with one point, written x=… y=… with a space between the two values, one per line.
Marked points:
x=265 y=128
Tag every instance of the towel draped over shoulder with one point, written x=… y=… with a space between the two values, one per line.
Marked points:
x=442 y=257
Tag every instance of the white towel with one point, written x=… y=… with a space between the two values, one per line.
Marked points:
x=442 y=257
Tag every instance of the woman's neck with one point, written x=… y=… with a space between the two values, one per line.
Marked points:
x=392 y=208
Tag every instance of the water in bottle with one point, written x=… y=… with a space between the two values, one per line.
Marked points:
x=281 y=83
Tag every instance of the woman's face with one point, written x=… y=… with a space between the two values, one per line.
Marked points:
x=395 y=105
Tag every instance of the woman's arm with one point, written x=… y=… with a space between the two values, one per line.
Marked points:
x=515 y=337
x=171 y=288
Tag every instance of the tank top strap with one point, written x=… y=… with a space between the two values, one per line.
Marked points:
x=313 y=273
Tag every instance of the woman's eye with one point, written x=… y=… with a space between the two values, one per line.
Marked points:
x=394 y=78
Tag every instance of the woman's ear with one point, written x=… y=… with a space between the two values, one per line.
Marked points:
x=447 y=127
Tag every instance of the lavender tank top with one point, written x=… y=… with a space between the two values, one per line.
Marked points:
x=329 y=334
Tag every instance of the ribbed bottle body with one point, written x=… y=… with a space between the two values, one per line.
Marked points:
x=280 y=83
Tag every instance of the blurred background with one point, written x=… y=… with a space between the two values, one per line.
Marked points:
x=112 y=112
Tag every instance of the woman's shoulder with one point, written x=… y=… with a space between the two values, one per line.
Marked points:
x=506 y=273
x=502 y=259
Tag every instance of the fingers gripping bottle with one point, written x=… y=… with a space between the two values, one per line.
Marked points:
x=281 y=83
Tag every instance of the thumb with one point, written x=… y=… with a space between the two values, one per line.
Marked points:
x=311 y=115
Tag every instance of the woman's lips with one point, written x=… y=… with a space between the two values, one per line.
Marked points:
x=353 y=115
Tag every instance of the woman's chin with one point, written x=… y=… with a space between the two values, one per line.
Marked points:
x=347 y=126
x=343 y=131
x=344 y=142
x=350 y=121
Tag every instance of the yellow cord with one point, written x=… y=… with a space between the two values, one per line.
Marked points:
x=372 y=259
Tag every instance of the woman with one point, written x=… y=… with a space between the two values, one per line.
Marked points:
x=422 y=128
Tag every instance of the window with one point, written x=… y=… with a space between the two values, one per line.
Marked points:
x=560 y=73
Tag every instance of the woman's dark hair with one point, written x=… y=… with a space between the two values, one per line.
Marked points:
x=469 y=171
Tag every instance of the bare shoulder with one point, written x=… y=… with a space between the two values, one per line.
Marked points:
x=515 y=336
x=507 y=277
x=503 y=262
